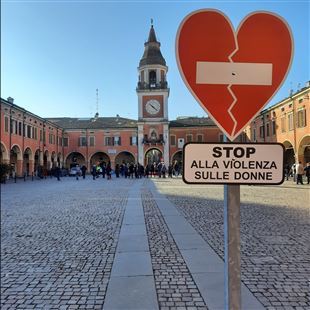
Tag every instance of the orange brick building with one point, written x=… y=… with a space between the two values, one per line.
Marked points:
x=29 y=141
x=286 y=122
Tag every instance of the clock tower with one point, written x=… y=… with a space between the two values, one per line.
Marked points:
x=153 y=92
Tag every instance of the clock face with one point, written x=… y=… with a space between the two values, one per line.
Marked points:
x=152 y=106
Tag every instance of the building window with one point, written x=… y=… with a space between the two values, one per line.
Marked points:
x=301 y=118
x=152 y=78
x=91 y=141
x=82 y=141
x=28 y=131
x=273 y=127
x=290 y=121
x=133 y=140
x=35 y=135
x=16 y=127
x=283 y=127
x=117 y=140
x=262 y=132
x=254 y=134
x=6 y=124
x=189 y=138
x=108 y=141
x=173 y=140
x=20 y=128
x=65 y=141
x=11 y=126
x=267 y=130
x=199 y=138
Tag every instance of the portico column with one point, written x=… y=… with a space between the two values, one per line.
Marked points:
x=31 y=166
x=19 y=168
x=140 y=144
x=166 y=145
x=41 y=159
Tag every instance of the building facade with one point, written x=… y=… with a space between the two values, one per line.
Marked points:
x=29 y=141
x=286 y=122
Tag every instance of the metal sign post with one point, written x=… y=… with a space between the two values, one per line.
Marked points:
x=232 y=247
x=232 y=271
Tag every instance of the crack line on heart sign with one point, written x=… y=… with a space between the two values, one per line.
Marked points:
x=231 y=92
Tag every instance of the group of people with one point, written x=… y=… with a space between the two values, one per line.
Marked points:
x=132 y=170
x=297 y=171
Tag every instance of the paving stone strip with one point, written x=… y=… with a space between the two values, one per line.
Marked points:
x=174 y=284
x=59 y=254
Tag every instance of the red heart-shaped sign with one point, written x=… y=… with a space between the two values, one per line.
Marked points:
x=232 y=74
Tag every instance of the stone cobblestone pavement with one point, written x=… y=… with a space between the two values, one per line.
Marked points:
x=58 y=243
x=275 y=247
x=174 y=284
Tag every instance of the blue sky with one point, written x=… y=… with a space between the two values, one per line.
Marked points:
x=54 y=54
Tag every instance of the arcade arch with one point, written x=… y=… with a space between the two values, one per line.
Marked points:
x=99 y=158
x=304 y=149
x=16 y=158
x=59 y=160
x=46 y=160
x=28 y=161
x=124 y=157
x=73 y=159
x=177 y=156
x=152 y=155
x=53 y=160
x=36 y=160
x=4 y=154
x=289 y=154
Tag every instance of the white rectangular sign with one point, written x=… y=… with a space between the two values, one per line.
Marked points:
x=233 y=73
x=233 y=163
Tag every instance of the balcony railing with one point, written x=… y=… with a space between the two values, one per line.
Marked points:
x=153 y=141
x=160 y=85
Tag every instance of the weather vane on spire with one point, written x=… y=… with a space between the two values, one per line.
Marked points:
x=97 y=102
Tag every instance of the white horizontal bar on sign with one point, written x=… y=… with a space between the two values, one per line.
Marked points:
x=233 y=73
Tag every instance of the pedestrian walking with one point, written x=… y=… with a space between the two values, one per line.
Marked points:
x=117 y=170
x=77 y=172
x=109 y=171
x=83 y=169
x=57 y=173
x=94 y=172
x=170 y=170
x=299 y=172
x=307 y=171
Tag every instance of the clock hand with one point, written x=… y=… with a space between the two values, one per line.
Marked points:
x=153 y=107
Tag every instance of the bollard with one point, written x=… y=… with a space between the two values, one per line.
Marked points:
x=24 y=177
x=15 y=179
x=32 y=176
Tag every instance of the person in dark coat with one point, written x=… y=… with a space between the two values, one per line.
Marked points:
x=147 y=170
x=108 y=171
x=83 y=169
x=117 y=170
x=170 y=169
x=94 y=172
x=307 y=171
x=57 y=172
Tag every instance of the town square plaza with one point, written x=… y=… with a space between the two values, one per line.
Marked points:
x=149 y=243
